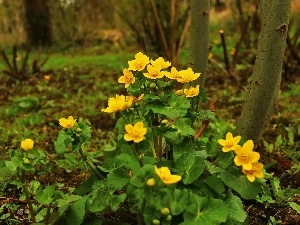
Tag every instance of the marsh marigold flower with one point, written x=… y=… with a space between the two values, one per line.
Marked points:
x=179 y=92
x=174 y=74
x=135 y=133
x=139 y=63
x=256 y=171
x=165 y=175
x=154 y=72
x=67 y=123
x=119 y=103
x=127 y=78
x=27 y=144
x=191 y=92
x=160 y=63
x=187 y=75
x=230 y=143
x=245 y=156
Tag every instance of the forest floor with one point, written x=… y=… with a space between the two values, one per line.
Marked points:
x=82 y=90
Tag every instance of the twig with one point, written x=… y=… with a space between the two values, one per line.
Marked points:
x=226 y=60
x=12 y=200
x=292 y=49
x=160 y=29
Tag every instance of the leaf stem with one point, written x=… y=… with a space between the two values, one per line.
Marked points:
x=91 y=165
x=21 y=176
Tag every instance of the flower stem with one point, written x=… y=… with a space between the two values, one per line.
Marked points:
x=138 y=156
x=47 y=214
x=91 y=165
x=21 y=176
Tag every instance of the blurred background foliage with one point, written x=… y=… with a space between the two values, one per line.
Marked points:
x=157 y=27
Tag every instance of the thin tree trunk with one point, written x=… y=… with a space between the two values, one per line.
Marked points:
x=38 y=26
x=199 y=47
x=265 y=84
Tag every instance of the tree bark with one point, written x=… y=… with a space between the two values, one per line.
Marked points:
x=266 y=78
x=38 y=24
x=199 y=47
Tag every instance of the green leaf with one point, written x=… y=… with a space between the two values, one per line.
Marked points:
x=202 y=94
x=86 y=186
x=212 y=168
x=45 y=196
x=215 y=183
x=85 y=134
x=183 y=128
x=77 y=212
x=295 y=206
x=7 y=168
x=62 y=142
x=40 y=216
x=118 y=178
x=236 y=209
x=176 y=106
x=111 y=164
x=205 y=211
x=225 y=159
x=178 y=201
x=291 y=136
x=190 y=166
x=205 y=115
x=247 y=189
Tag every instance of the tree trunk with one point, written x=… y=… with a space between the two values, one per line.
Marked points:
x=266 y=78
x=199 y=47
x=38 y=26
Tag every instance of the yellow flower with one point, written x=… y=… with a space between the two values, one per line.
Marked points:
x=27 y=144
x=256 y=171
x=119 y=103
x=230 y=143
x=47 y=77
x=151 y=182
x=127 y=78
x=187 y=76
x=154 y=72
x=179 y=92
x=174 y=74
x=161 y=63
x=139 y=63
x=192 y=91
x=135 y=133
x=67 y=123
x=165 y=175
x=245 y=156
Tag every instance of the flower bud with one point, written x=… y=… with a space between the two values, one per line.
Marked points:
x=169 y=217
x=173 y=126
x=26 y=161
x=156 y=222
x=164 y=121
x=153 y=85
x=151 y=182
x=77 y=135
x=78 y=130
x=165 y=211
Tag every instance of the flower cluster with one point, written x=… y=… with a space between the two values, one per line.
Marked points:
x=245 y=156
x=155 y=70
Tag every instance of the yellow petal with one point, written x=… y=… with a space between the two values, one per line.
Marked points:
x=248 y=146
x=229 y=136
x=255 y=157
x=250 y=177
